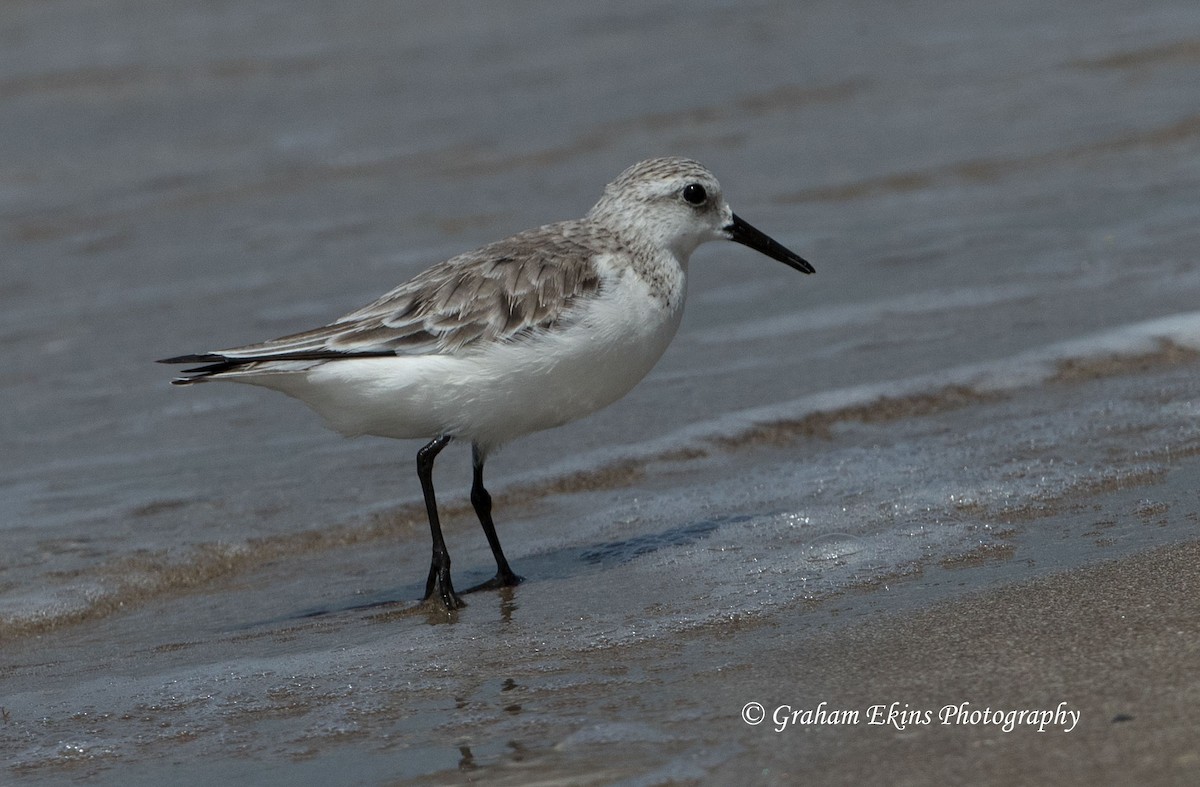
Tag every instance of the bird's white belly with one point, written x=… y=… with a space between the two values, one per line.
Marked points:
x=494 y=393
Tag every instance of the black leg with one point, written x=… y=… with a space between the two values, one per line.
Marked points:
x=439 y=568
x=482 y=502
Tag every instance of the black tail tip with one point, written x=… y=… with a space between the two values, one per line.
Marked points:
x=210 y=364
x=193 y=358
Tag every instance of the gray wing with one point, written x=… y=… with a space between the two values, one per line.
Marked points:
x=501 y=292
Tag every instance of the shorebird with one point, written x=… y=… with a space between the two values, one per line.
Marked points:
x=523 y=334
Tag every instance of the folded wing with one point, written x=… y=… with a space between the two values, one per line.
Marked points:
x=506 y=291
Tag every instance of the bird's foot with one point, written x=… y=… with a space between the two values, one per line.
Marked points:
x=439 y=589
x=503 y=579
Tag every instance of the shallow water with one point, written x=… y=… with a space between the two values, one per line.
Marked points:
x=1000 y=203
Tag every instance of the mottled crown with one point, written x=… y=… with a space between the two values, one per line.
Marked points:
x=651 y=180
x=658 y=170
x=647 y=179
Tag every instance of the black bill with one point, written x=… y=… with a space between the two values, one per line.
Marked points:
x=741 y=232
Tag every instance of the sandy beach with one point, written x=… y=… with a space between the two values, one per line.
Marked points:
x=1113 y=641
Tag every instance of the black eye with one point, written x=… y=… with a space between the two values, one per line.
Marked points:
x=694 y=194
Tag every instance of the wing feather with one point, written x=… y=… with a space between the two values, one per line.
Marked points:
x=505 y=291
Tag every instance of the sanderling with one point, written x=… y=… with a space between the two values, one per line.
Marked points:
x=521 y=335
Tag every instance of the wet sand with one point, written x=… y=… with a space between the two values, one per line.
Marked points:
x=1115 y=642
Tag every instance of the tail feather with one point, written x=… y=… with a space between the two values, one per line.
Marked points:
x=213 y=364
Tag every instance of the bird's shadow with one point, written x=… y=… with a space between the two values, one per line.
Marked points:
x=562 y=563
